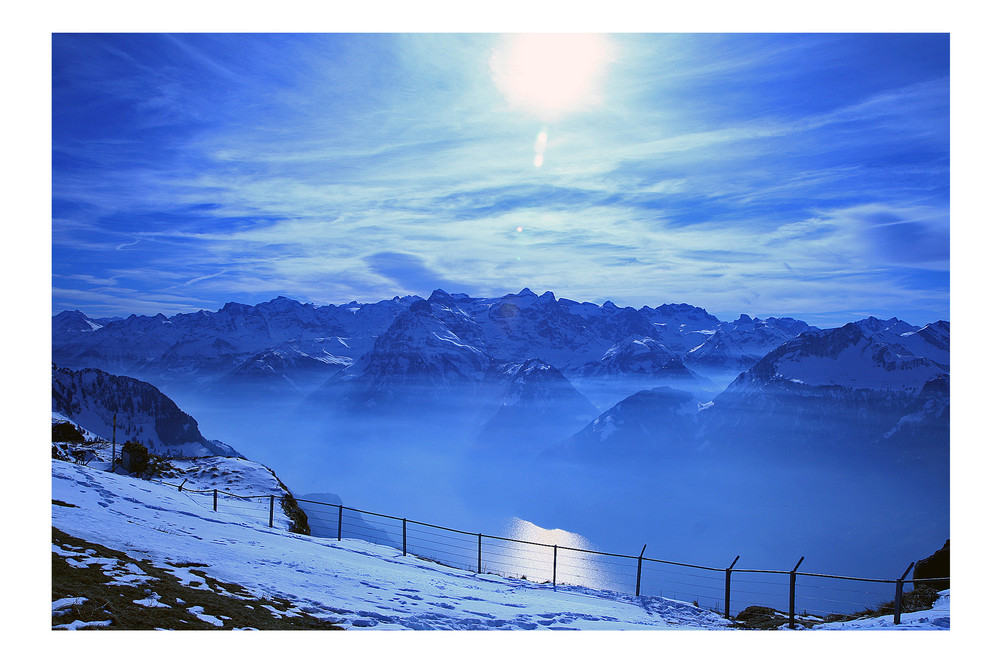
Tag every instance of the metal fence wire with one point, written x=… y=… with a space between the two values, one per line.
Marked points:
x=802 y=595
x=793 y=594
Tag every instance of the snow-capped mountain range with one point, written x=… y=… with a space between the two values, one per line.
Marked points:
x=288 y=340
x=524 y=368
x=843 y=388
x=869 y=386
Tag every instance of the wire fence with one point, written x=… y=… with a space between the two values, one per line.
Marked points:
x=802 y=595
x=792 y=594
x=256 y=510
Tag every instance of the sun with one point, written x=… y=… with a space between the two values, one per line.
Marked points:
x=550 y=75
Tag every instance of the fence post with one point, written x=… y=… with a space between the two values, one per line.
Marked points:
x=404 y=537
x=270 y=516
x=791 y=594
x=555 y=554
x=114 y=446
x=340 y=522
x=638 y=571
x=899 y=595
x=479 y=563
x=729 y=576
x=215 y=500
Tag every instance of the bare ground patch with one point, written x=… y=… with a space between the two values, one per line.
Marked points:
x=100 y=588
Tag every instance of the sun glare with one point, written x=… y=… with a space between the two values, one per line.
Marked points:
x=550 y=75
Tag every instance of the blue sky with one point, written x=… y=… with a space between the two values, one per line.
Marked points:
x=804 y=175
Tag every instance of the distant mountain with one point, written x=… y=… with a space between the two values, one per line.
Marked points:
x=524 y=368
x=326 y=520
x=267 y=348
x=69 y=322
x=97 y=400
x=926 y=424
x=636 y=364
x=281 y=373
x=741 y=343
x=538 y=407
x=649 y=426
x=198 y=348
x=841 y=390
x=430 y=348
x=873 y=388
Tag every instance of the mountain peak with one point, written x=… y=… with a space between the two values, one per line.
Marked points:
x=442 y=297
x=526 y=292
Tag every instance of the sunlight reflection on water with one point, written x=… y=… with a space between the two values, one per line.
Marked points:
x=535 y=561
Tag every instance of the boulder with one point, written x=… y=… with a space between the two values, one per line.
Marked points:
x=935 y=566
x=135 y=457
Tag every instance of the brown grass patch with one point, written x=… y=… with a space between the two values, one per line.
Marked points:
x=230 y=603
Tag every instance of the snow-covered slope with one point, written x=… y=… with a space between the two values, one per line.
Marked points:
x=843 y=390
x=636 y=364
x=205 y=345
x=938 y=617
x=741 y=343
x=351 y=583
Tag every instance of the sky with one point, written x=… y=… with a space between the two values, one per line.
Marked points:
x=803 y=175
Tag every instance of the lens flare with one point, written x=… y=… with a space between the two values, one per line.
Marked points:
x=540 y=143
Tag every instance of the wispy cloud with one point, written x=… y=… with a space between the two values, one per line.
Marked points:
x=767 y=172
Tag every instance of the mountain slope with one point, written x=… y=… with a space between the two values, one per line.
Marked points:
x=839 y=391
x=98 y=401
x=538 y=407
x=651 y=426
x=194 y=352
x=428 y=351
x=633 y=365
x=205 y=345
x=351 y=583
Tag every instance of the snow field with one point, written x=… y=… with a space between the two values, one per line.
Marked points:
x=354 y=583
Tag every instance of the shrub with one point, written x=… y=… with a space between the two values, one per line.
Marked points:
x=66 y=432
x=757 y=617
x=300 y=522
